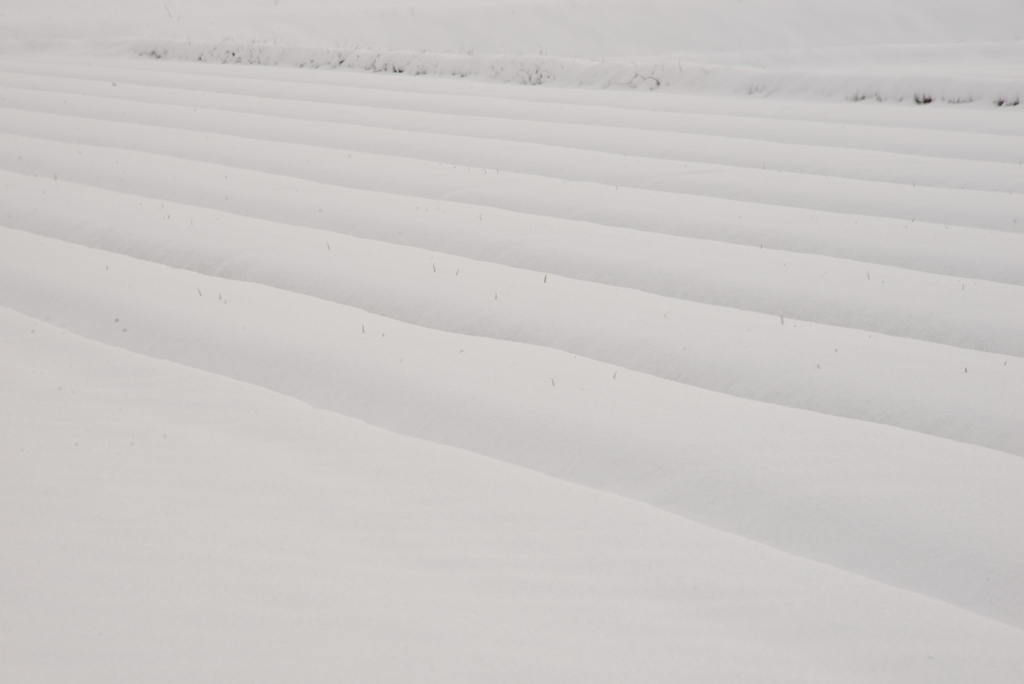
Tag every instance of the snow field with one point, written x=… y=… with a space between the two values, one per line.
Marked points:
x=328 y=374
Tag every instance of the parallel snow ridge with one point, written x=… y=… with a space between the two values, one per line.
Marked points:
x=691 y=302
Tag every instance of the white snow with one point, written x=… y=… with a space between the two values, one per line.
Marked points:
x=338 y=373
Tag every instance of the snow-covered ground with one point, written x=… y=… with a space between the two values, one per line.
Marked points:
x=700 y=359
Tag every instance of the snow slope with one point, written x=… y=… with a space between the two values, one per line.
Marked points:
x=371 y=376
x=258 y=539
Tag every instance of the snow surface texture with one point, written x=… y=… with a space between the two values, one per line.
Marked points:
x=333 y=375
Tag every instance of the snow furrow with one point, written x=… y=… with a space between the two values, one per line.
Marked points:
x=842 y=293
x=541 y=168
x=980 y=136
x=904 y=243
x=890 y=504
x=790 y=362
x=319 y=123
